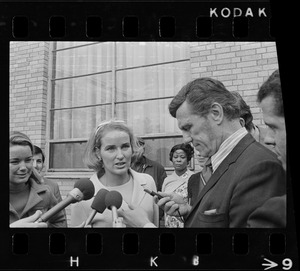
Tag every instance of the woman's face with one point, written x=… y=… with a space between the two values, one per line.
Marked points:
x=116 y=152
x=20 y=164
x=38 y=162
x=179 y=160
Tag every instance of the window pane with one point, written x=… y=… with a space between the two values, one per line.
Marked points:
x=83 y=60
x=152 y=82
x=132 y=54
x=67 y=155
x=79 y=122
x=148 y=117
x=88 y=90
x=158 y=149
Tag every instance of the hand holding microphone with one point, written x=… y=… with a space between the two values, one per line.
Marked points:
x=83 y=190
x=113 y=201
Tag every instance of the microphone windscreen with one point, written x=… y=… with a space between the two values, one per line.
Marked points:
x=86 y=187
x=99 y=201
x=113 y=198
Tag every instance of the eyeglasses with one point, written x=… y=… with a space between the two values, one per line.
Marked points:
x=101 y=124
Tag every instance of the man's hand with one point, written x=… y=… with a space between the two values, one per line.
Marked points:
x=29 y=222
x=173 y=204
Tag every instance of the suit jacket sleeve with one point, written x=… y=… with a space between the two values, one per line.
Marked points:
x=259 y=183
x=271 y=215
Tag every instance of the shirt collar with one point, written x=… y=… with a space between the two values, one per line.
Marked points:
x=227 y=146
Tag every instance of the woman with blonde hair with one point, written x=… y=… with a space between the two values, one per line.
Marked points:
x=109 y=152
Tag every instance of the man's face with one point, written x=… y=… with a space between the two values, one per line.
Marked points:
x=276 y=129
x=197 y=130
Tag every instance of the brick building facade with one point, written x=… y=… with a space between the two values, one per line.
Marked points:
x=241 y=66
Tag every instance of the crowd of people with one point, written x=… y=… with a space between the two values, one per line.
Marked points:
x=242 y=181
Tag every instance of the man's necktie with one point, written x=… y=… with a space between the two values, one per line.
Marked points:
x=206 y=173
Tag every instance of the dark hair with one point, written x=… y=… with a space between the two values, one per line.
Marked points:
x=38 y=150
x=187 y=148
x=140 y=142
x=245 y=111
x=20 y=139
x=272 y=87
x=201 y=93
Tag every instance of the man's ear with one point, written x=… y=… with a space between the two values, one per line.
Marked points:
x=217 y=113
x=242 y=122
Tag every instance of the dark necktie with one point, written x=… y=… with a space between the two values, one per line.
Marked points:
x=206 y=173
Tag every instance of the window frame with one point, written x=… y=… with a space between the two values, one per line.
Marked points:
x=65 y=172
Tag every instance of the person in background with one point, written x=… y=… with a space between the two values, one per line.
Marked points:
x=109 y=152
x=246 y=119
x=180 y=155
x=141 y=163
x=38 y=163
x=27 y=194
x=272 y=213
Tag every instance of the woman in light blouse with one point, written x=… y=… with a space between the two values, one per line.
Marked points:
x=108 y=153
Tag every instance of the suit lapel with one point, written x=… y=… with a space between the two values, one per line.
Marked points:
x=223 y=167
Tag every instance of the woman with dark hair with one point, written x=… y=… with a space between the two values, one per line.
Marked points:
x=180 y=156
x=38 y=164
x=27 y=194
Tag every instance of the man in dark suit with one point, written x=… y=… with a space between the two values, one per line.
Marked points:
x=272 y=213
x=245 y=174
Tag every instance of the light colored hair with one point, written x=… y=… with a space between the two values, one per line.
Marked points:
x=20 y=139
x=90 y=156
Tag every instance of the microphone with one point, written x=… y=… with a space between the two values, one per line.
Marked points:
x=113 y=201
x=83 y=190
x=98 y=205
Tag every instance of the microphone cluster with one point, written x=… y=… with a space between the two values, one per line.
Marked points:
x=84 y=190
x=111 y=200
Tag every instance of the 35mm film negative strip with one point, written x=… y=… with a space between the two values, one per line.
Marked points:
x=66 y=66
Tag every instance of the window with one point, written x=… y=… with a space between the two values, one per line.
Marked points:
x=134 y=81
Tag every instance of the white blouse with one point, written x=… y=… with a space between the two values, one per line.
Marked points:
x=80 y=211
